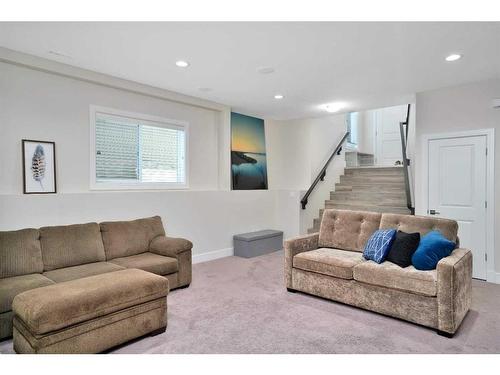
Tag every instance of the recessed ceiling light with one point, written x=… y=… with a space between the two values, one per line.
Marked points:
x=333 y=107
x=453 y=57
x=278 y=96
x=182 y=64
x=59 y=54
x=265 y=70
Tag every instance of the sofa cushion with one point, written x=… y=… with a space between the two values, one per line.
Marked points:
x=84 y=270
x=20 y=253
x=66 y=304
x=432 y=248
x=150 y=262
x=420 y=224
x=12 y=286
x=331 y=262
x=379 y=244
x=125 y=238
x=347 y=230
x=71 y=245
x=392 y=276
x=402 y=248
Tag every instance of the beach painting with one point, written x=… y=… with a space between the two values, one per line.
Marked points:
x=248 y=152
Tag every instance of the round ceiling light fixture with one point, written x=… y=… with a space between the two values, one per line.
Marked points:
x=265 y=70
x=278 y=96
x=333 y=107
x=453 y=57
x=182 y=63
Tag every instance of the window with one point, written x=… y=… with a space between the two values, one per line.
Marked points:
x=134 y=151
x=352 y=128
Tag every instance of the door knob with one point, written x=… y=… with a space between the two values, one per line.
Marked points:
x=434 y=212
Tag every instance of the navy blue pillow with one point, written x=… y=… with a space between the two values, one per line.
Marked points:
x=379 y=244
x=432 y=248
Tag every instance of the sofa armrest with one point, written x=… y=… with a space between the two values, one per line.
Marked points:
x=295 y=246
x=454 y=289
x=169 y=246
x=180 y=249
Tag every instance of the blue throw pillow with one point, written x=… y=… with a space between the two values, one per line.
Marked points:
x=432 y=248
x=379 y=244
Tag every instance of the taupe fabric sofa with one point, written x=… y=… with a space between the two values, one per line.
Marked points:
x=330 y=264
x=33 y=258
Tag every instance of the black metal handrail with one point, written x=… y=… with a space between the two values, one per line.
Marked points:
x=322 y=173
x=406 y=162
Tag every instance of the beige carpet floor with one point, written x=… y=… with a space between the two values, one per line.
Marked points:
x=237 y=305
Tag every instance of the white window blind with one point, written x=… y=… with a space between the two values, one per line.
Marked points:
x=134 y=151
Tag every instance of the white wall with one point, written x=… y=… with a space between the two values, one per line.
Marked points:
x=207 y=218
x=49 y=105
x=299 y=150
x=459 y=108
x=43 y=106
x=366 y=132
x=288 y=160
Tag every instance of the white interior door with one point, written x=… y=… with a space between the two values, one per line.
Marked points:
x=457 y=190
x=388 y=137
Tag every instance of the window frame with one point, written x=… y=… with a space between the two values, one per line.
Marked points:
x=127 y=185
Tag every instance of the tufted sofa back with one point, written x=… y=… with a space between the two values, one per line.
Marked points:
x=347 y=230
x=421 y=224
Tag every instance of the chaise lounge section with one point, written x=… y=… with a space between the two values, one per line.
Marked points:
x=330 y=264
x=90 y=315
x=34 y=258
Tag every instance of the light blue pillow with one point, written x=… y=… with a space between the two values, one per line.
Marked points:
x=379 y=244
x=432 y=248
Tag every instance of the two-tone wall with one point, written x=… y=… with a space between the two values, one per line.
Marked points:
x=48 y=101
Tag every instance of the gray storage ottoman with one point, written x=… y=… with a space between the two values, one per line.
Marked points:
x=248 y=245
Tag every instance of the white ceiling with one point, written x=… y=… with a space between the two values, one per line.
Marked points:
x=365 y=65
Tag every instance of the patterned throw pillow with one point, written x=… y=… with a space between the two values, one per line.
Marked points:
x=379 y=244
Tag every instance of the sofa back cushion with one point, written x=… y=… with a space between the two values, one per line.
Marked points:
x=125 y=238
x=347 y=230
x=20 y=253
x=420 y=224
x=71 y=245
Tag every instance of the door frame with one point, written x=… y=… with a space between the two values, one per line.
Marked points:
x=491 y=275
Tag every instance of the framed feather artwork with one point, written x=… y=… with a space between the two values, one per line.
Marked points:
x=39 y=167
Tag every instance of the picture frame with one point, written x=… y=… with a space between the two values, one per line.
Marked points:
x=39 y=167
x=248 y=153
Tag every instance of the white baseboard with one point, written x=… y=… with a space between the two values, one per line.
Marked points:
x=211 y=255
x=493 y=277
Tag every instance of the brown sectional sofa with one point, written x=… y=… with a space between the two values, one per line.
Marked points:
x=33 y=258
x=330 y=264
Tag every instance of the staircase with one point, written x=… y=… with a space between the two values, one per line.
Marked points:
x=378 y=189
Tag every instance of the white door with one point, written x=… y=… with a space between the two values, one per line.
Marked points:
x=457 y=190
x=388 y=137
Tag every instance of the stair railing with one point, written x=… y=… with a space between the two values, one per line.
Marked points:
x=322 y=173
x=406 y=162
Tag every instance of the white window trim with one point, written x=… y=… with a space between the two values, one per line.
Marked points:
x=115 y=185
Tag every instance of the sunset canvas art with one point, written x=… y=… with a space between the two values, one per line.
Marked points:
x=248 y=153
